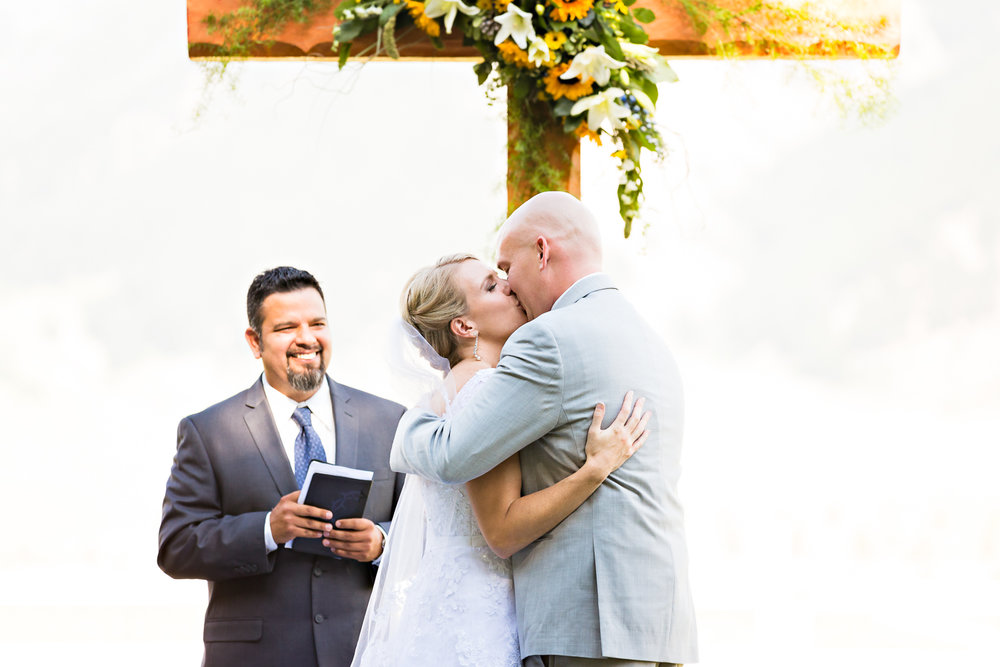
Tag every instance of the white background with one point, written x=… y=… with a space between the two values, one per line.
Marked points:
x=831 y=292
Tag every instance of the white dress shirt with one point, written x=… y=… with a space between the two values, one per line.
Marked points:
x=282 y=409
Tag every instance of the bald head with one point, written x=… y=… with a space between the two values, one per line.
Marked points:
x=546 y=245
x=563 y=220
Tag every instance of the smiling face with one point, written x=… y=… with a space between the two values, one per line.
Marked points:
x=294 y=342
x=495 y=311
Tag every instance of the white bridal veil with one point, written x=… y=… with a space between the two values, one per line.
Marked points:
x=420 y=366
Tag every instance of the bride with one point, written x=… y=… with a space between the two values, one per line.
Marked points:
x=444 y=594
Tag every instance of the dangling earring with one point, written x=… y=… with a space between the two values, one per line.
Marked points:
x=475 y=350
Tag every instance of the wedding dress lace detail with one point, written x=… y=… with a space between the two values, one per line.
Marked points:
x=457 y=609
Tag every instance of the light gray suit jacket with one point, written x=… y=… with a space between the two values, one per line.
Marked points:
x=611 y=580
x=283 y=607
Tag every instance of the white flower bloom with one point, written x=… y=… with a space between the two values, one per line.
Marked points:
x=516 y=24
x=538 y=51
x=348 y=15
x=449 y=9
x=631 y=186
x=603 y=110
x=592 y=63
x=643 y=99
x=628 y=165
x=649 y=60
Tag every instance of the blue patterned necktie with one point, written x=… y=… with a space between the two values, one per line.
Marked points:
x=308 y=446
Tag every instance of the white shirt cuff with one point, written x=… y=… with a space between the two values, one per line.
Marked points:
x=385 y=539
x=269 y=542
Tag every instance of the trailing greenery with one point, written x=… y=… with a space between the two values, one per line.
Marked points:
x=248 y=27
x=757 y=28
x=528 y=155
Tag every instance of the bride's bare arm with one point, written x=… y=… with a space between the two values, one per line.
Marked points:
x=510 y=522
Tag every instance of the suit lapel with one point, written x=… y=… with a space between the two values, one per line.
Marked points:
x=345 y=419
x=261 y=425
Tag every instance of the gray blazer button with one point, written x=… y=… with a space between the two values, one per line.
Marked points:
x=319 y=618
x=317 y=571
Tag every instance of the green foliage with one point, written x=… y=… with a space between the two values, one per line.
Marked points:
x=529 y=156
x=778 y=31
x=245 y=28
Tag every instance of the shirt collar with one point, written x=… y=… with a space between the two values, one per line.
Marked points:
x=582 y=288
x=282 y=407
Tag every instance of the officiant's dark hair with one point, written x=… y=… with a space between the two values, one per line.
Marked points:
x=278 y=279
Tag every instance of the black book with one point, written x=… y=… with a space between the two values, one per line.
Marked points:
x=343 y=491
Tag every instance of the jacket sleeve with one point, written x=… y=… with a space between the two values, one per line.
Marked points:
x=518 y=404
x=398 y=478
x=197 y=539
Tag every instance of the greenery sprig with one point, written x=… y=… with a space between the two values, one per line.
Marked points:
x=248 y=26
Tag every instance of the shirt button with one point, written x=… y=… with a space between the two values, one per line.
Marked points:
x=317 y=571
x=319 y=618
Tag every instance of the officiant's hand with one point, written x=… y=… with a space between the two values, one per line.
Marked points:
x=289 y=519
x=359 y=539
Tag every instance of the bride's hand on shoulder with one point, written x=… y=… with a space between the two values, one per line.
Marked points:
x=608 y=448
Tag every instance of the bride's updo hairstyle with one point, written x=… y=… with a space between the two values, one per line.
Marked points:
x=431 y=300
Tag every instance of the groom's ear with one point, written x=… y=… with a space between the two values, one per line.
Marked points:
x=253 y=341
x=542 y=250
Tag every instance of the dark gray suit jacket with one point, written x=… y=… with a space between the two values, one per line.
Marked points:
x=229 y=471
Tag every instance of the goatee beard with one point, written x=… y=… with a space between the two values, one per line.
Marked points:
x=307 y=380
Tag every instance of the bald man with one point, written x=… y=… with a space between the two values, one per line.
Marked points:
x=609 y=585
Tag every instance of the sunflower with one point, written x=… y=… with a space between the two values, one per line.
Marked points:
x=429 y=26
x=555 y=39
x=583 y=130
x=513 y=54
x=570 y=10
x=573 y=89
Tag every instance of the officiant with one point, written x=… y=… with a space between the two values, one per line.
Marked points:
x=231 y=499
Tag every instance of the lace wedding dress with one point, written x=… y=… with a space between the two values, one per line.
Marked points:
x=441 y=598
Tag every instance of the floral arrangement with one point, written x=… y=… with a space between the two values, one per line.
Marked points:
x=586 y=60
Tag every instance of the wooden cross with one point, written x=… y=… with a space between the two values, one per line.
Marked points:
x=673 y=32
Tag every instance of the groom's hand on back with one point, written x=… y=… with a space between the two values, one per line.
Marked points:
x=359 y=539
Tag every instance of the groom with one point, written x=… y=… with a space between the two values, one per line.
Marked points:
x=609 y=585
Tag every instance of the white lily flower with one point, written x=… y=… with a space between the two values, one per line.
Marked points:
x=538 y=51
x=449 y=9
x=592 y=63
x=603 y=110
x=516 y=24
x=649 y=60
